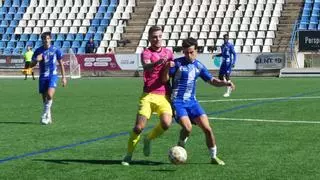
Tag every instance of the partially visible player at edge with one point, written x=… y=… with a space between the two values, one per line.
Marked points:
x=228 y=61
x=154 y=97
x=184 y=72
x=48 y=55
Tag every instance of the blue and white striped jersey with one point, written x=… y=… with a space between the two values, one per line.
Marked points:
x=185 y=74
x=50 y=56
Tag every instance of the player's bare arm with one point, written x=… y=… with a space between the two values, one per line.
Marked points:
x=64 y=79
x=219 y=83
x=34 y=63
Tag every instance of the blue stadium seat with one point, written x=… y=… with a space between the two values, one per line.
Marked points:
x=8 y=17
x=92 y=30
x=3 y=10
x=13 y=23
x=7 y=51
x=60 y=37
x=99 y=16
x=21 y=10
x=53 y=37
x=104 y=3
x=304 y=20
x=102 y=9
x=20 y=44
x=108 y=15
x=105 y=22
x=79 y=37
x=18 y=16
x=101 y=29
x=2 y=16
x=114 y=2
x=25 y=3
x=33 y=37
x=10 y=30
x=4 y=23
x=3 y=44
x=12 y=10
x=81 y=50
x=111 y=9
x=315 y=12
x=16 y=3
x=312 y=27
x=7 y=3
x=2 y=30
x=57 y=44
x=11 y=44
x=84 y=43
x=6 y=37
x=30 y=43
x=95 y=22
x=17 y=51
x=24 y=37
x=14 y=37
x=70 y=37
x=66 y=44
x=75 y=44
x=314 y=20
x=302 y=26
x=88 y=36
x=97 y=37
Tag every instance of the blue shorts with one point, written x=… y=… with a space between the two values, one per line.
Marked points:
x=46 y=83
x=192 y=109
x=225 y=68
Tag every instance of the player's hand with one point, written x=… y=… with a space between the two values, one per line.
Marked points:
x=232 y=65
x=64 y=81
x=39 y=58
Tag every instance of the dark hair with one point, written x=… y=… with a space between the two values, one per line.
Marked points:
x=225 y=35
x=154 y=29
x=186 y=43
x=45 y=34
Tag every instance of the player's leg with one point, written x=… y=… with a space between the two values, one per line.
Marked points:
x=203 y=122
x=164 y=110
x=26 y=66
x=143 y=115
x=227 y=76
x=182 y=118
x=186 y=128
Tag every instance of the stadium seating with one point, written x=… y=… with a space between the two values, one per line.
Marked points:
x=310 y=16
x=72 y=23
x=250 y=24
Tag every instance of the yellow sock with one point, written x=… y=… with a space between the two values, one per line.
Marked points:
x=132 y=142
x=155 y=132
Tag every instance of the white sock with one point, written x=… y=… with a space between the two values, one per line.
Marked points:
x=47 y=106
x=182 y=143
x=213 y=152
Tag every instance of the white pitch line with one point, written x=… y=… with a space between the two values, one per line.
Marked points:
x=266 y=120
x=258 y=99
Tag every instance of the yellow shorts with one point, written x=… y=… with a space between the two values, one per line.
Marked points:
x=150 y=103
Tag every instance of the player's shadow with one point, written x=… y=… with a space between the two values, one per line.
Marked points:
x=17 y=122
x=103 y=162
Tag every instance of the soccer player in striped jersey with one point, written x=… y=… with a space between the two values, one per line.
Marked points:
x=184 y=72
x=48 y=55
x=155 y=94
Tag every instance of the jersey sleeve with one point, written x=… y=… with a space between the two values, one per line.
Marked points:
x=204 y=73
x=145 y=57
x=59 y=54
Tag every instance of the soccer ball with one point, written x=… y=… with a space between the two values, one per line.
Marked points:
x=177 y=155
